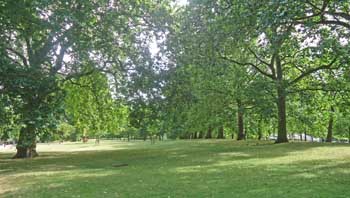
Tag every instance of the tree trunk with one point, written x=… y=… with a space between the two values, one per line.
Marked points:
x=282 y=121
x=200 y=135
x=153 y=139
x=305 y=135
x=221 y=132
x=349 y=135
x=209 y=133
x=97 y=140
x=330 y=126
x=26 y=146
x=281 y=104
x=260 y=129
x=240 y=121
x=195 y=135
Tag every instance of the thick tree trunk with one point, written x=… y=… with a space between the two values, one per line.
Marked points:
x=221 y=133
x=305 y=135
x=209 y=133
x=282 y=121
x=26 y=146
x=330 y=126
x=349 y=135
x=240 y=121
x=281 y=104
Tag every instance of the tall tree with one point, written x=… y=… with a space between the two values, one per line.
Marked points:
x=271 y=40
x=46 y=42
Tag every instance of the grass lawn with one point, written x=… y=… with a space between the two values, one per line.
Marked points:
x=179 y=169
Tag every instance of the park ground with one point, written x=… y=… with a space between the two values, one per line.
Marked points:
x=202 y=168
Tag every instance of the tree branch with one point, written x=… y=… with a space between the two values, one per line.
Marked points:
x=249 y=64
x=339 y=14
x=320 y=12
x=78 y=75
x=310 y=71
x=257 y=57
x=319 y=89
x=339 y=23
x=59 y=60
x=21 y=56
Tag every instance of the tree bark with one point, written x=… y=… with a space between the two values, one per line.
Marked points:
x=330 y=126
x=260 y=129
x=221 y=132
x=281 y=104
x=26 y=146
x=240 y=121
x=209 y=133
x=200 y=135
x=282 y=121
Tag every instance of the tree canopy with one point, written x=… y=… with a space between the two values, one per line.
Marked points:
x=206 y=69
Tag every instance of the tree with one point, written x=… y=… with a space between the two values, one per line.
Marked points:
x=90 y=106
x=271 y=42
x=44 y=43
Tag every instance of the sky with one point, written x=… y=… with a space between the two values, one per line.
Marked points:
x=182 y=2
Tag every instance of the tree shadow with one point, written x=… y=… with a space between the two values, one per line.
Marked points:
x=184 y=169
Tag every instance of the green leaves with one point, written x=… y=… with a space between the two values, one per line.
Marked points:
x=45 y=43
x=246 y=50
x=90 y=106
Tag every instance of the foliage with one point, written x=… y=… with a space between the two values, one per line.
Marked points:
x=45 y=43
x=240 y=69
x=91 y=108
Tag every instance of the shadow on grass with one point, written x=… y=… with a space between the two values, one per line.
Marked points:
x=184 y=169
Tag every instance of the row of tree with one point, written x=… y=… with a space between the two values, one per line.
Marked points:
x=244 y=69
x=268 y=62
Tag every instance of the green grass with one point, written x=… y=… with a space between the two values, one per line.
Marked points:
x=179 y=169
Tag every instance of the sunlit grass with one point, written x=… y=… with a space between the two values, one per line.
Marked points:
x=179 y=169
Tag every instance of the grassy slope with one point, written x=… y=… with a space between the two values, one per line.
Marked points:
x=180 y=169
